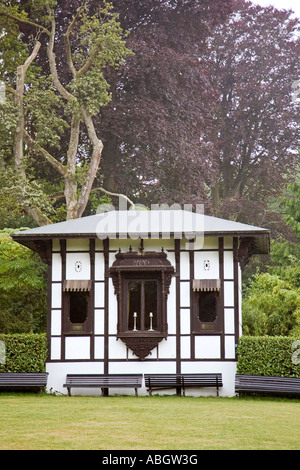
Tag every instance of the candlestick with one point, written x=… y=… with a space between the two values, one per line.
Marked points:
x=151 y=317
x=134 y=321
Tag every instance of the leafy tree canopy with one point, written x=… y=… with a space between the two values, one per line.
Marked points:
x=272 y=306
x=271 y=303
x=43 y=116
x=22 y=287
x=209 y=117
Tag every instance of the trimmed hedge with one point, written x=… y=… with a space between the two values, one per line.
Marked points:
x=257 y=355
x=268 y=356
x=26 y=352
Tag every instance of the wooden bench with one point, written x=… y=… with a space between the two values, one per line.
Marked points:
x=182 y=381
x=265 y=384
x=23 y=381
x=103 y=381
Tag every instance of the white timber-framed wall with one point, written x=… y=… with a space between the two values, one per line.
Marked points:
x=87 y=259
x=182 y=350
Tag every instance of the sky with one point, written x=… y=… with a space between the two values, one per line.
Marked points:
x=281 y=4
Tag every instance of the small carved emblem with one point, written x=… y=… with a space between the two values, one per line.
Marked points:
x=206 y=265
x=78 y=266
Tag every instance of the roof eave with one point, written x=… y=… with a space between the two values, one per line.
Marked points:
x=261 y=238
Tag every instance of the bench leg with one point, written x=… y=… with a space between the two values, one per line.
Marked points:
x=69 y=391
x=136 y=391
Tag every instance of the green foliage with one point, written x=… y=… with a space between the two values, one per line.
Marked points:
x=99 y=37
x=8 y=120
x=286 y=253
x=271 y=306
x=10 y=41
x=27 y=191
x=22 y=288
x=269 y=356
x=24 y=352
x=292 y=204
x=43 y=106
x=66 y=87
x=18 y=192
x=91 y=91
x=100 y=204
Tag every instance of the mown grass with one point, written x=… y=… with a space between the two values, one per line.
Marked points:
x=40 y=422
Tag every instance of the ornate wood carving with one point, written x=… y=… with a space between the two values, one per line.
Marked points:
x=141 y=346
x=245 y=251
x=141 y=263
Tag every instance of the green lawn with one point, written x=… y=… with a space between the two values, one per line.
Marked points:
x=29 y=421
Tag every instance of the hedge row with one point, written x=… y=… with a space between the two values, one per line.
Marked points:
x=269 y=355
x=257 y=355
x=24 y=352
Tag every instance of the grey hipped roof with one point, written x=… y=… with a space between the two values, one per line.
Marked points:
x=145 y=224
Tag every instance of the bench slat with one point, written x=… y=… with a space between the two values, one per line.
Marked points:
x=165 y=381
x=266 y=384
x=103 y=381
x=18 y=380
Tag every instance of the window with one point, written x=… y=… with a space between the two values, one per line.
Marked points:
x=142 y=305
x=141 y=281
x=207 y=309
x=206 y=306
x=77 y=307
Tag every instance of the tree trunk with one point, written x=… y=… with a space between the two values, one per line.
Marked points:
x=18 y=150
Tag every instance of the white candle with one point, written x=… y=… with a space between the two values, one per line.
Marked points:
x=151 y=316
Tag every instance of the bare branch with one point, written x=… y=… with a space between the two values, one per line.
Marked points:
x=67 y=41
x=18 y=98
x=52 y=60
x=32 y=56
x=73 y=144
x=41 y=151
x=117 y=194
x=24 y=21
x=94 y=164
x=89 y=61
x=9 y=89
x=38 y=216
x=57 y=197
x=90 y=128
